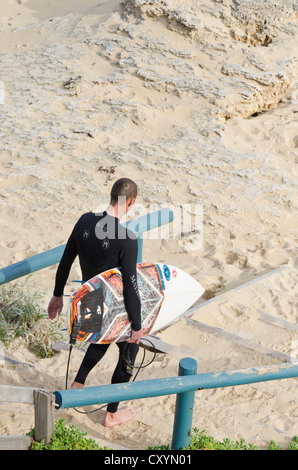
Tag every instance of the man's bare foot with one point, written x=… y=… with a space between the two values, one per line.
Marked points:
x=76 y=385
x=121 y=416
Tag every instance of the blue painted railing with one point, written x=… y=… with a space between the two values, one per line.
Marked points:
x=184 y=386
x=48 y=258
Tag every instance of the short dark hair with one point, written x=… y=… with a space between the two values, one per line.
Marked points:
x=124 y=187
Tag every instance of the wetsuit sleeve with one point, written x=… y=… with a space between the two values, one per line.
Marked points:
x=128 y=258
x=68 y=257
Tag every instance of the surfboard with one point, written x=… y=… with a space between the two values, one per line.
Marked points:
x=97 y=313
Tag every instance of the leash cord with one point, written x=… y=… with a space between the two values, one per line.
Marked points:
x=127 y=363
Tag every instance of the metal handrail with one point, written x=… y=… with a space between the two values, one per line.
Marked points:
x=184 y=385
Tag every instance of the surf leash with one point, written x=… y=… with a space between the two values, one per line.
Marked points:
x=128 y=365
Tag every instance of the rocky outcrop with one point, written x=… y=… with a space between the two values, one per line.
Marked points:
x=151 y=89
x=256 y=80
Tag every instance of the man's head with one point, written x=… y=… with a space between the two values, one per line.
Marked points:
x=124 y=191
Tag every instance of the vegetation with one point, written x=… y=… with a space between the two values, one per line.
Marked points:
x=200 y=441
x=71 y=438
x=22 y=316
x=66 y=438
x=19 y=311
x=292 y=446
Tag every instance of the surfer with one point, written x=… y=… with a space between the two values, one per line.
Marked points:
x=102 y=243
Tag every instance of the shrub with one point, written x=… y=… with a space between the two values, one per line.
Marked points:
x=19 y=310
x=199 y=441
x=66 y=438
x=22 y=316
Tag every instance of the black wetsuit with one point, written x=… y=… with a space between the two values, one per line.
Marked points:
x=102 y=243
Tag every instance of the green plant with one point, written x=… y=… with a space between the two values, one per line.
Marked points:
x=42 y=336
x=20 y=309
x=199 y=441
x=162 y=447
x=274 y=446
x=293 y=445
x=66 y=438
x=22 y=316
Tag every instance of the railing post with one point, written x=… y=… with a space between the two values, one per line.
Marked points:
x=184 y=408
x=44 y=415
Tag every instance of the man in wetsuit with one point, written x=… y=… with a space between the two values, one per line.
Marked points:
x=102 y=243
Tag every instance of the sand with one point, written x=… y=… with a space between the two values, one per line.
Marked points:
x=199 y=104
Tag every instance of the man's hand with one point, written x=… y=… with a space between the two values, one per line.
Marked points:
x=135 y=336
x=55 y=307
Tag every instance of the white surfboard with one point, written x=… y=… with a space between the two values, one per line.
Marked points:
x=181 y=291
x=97 y=307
